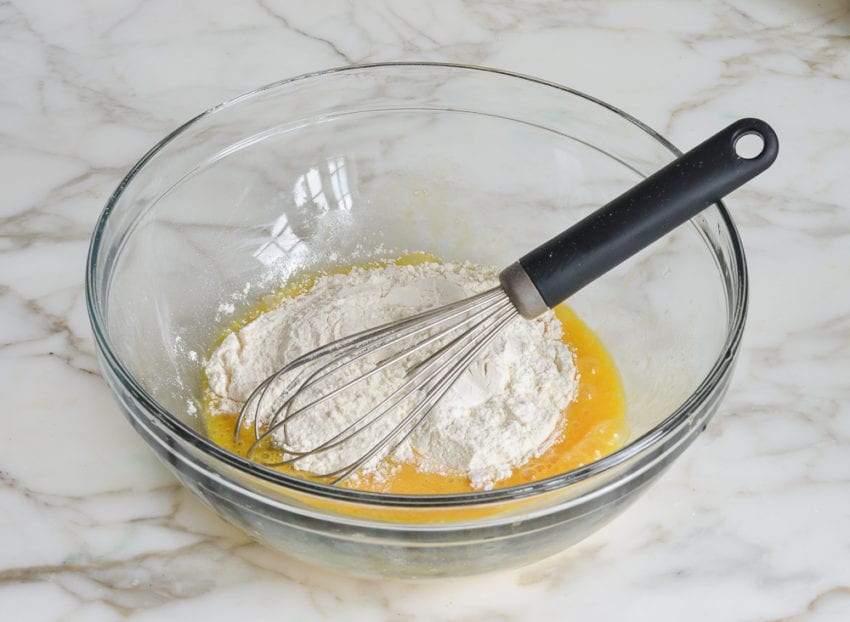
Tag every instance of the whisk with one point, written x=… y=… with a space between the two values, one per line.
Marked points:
x=427 y=353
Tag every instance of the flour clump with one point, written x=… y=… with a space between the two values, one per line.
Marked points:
x=505 y=409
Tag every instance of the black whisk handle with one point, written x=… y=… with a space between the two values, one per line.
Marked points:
x=634 y=220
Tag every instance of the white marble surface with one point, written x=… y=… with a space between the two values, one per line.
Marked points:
x=752 y=524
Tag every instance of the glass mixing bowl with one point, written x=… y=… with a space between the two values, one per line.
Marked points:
x=364 y=163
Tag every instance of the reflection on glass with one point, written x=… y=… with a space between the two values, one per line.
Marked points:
x=284 y=242
x=339 y=183
x=309 y=193
x=310 y=189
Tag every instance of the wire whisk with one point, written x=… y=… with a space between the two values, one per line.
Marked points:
x=422 y=356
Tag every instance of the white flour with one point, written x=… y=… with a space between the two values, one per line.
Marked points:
x=505 y=409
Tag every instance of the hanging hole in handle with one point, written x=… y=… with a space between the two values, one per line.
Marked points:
x=750 y=145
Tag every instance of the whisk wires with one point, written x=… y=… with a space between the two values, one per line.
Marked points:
x=424 y=355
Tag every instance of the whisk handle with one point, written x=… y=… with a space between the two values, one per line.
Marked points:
x=664 y=200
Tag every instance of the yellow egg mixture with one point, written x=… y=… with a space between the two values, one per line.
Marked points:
x=593 y=425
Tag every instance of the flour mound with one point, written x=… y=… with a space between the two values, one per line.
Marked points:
x=505 y=409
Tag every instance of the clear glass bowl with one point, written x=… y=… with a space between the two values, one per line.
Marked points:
x=364 y=163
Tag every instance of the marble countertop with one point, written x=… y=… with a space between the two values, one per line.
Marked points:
x=751 y=524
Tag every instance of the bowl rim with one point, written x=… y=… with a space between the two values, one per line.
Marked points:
x=653 y=437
